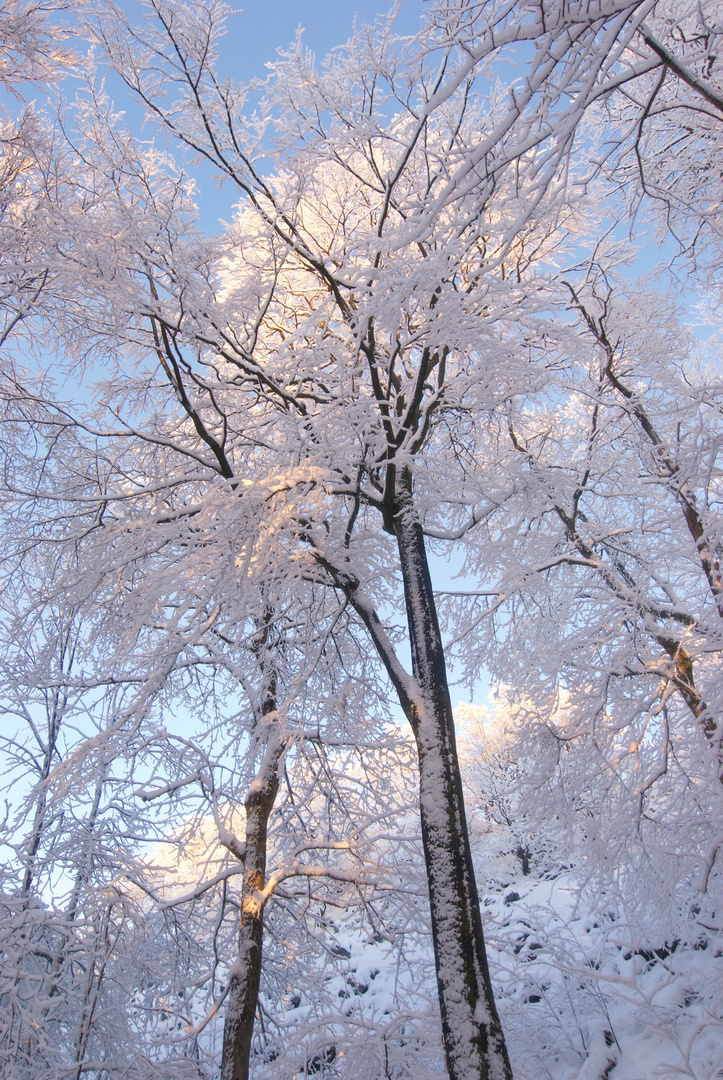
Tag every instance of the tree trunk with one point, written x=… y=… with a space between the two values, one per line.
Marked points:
x=243 y=991
x=473 y=1039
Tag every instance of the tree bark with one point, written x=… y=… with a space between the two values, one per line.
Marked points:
x=473 y=1039
x=245 y=978
x=243 y=993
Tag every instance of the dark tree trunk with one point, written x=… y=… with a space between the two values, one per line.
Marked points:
x=473 y=1039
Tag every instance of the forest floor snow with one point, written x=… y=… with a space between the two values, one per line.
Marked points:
x=585 y=995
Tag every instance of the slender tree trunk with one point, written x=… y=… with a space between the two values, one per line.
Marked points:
x=246 y=973
x=473 y=1039
x=36 y=835
x=96 y=973
x=474 y=1043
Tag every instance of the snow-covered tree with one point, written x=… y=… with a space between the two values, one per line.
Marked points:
x=286 y=416
x=611 y=547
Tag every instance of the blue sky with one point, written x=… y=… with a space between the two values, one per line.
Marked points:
x=259 y=28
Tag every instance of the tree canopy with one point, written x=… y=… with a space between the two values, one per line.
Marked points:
x=233 y=465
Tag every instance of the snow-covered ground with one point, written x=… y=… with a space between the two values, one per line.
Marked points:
x=583 y=995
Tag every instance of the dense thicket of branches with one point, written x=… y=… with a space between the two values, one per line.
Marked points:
x=227 y=459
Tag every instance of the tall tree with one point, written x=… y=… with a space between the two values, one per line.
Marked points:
x=301 y=399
